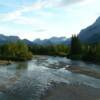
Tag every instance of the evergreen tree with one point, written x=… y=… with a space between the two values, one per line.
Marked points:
x=75 y=48
x=93 y=53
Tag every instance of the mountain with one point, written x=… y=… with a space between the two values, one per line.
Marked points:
x=6 y=39
x=91 y=34
x=27 y=42
x=53 y=40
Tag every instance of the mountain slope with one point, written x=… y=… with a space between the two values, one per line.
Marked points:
x=6 y=39
x=92 y=33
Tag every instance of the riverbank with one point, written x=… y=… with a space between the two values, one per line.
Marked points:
x=5 y=62
x=84 y=71
x=64 y=91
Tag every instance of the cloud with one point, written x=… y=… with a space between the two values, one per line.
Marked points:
x=68 y=2
x=39 y=5
x=46 y=17
x=23 y=9
x=60 y=3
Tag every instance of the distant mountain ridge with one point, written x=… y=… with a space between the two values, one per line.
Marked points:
x=91 y=34
x=5 y=39
x=51 y=41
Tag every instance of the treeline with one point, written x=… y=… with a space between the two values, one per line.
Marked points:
x=19 y=51
x=53 y=50
x=87 y=52
x=15 y=51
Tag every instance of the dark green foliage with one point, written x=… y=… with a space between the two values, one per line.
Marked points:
x=93 y=53
x=60 y=50
x=15 y=51
x=87 y=52
x=75 y=48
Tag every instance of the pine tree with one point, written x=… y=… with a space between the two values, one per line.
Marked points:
x=75 y=48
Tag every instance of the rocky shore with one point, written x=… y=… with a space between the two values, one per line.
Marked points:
x=5 y=62
x=84 y=71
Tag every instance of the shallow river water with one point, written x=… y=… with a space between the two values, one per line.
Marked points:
x=28 y=80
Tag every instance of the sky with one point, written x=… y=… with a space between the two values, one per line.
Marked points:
x=42 y=19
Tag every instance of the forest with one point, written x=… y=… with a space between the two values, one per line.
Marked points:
x=15 y=51
x=53 y=50
x=84 y=51
x=77 y=50
x=19 y=51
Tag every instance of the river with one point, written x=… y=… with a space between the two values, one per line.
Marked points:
x=28 y=80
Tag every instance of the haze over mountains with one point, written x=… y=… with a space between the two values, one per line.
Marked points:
x=53 y=40
x=91 y=34
x=5 y=39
